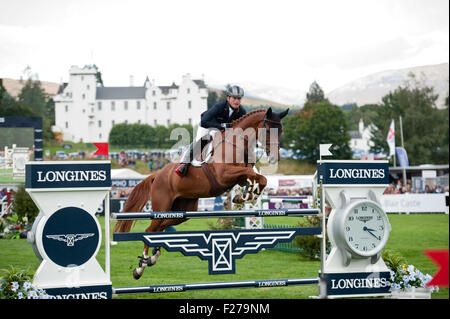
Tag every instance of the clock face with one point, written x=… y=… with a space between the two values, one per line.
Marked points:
x=365 y=228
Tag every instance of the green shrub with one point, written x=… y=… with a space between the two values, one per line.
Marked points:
x=310 y=244
x=24 y=206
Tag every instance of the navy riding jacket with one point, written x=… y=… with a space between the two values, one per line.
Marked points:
x=219 y=114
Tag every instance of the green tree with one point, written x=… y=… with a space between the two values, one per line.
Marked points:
x=34 y=96
x=315 y=94
x=366 y=112
x=425 y=128
x=212 y=99
x=316 y=124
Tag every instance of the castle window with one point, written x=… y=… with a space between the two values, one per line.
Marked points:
x=125 y=105
x=113 y=106
x=189 y=104
x=138 y=105
x=154 y=105
x=99 y=106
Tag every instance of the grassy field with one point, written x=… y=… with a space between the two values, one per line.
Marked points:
x=410 y=236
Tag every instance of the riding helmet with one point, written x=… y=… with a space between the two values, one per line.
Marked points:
x=235 y=91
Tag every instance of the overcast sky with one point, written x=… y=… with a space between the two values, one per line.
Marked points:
x=280 y=43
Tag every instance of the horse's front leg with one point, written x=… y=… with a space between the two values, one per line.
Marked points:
x=254 y=185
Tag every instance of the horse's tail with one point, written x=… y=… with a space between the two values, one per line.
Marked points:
x=138 y=198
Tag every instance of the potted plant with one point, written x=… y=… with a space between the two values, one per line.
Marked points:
x=406 y=281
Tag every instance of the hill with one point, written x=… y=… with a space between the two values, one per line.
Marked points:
x=370 y=89
x=13 y=87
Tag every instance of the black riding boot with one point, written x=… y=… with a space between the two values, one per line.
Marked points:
x=181 y=169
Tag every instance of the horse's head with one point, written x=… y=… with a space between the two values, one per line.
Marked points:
x=272 y=124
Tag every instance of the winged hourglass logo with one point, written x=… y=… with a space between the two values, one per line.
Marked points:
x=219 y=248
x=70 y=239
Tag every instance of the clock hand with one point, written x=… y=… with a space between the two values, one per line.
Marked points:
x=369 y=230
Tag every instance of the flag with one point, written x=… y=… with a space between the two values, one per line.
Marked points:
x=440 y=258
x=402 y=156
x=325 y=149
x=102 y=149
x=391 y=139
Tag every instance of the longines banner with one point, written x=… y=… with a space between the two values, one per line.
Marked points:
x=74 y=175
x=359 y=283
x=353 y=172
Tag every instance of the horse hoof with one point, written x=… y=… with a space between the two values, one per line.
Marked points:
x=136 y=274
x=237 y=199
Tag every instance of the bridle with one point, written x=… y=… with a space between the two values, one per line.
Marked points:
x=275 y=124
x=266 y=124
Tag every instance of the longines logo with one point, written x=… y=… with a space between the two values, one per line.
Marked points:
x=364 y=218
x=70 y=239
x=356 y=173
x=359 y=283
x=369 y=283
x=71 y=176
x=353 y=172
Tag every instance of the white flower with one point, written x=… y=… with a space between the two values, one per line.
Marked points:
x=32 y=294
x=19 y=295
x=26 y=285
x=410 y=268
x=15 y=286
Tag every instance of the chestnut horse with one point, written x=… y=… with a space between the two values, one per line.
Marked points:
x=230 y=164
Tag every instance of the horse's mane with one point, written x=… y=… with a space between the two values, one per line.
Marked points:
x=243 y=117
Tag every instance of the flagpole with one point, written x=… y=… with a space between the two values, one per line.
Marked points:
x=401 y=135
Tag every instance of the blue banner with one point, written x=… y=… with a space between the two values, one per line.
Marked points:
x=354 y=172
x=66 y=175
x=358 y=283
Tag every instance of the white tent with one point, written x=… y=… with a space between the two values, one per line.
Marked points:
x=125 y=173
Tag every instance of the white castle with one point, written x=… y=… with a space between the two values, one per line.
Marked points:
x=86 y=111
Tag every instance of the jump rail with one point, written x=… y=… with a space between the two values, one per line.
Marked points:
x=216 y=214
x=216 y=285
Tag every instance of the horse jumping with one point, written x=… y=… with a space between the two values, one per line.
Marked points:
x=228 y=166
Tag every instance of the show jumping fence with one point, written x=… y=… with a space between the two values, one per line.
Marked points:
x=165 y=240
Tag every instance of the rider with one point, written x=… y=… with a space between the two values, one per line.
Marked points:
x=217 y=117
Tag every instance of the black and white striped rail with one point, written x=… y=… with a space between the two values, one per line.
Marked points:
x=216 y=285
x=216 y=214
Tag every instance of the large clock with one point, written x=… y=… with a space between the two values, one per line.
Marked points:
x=361 y=230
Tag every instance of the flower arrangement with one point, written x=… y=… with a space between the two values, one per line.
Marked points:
x=16 y=284
x=404 y=277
